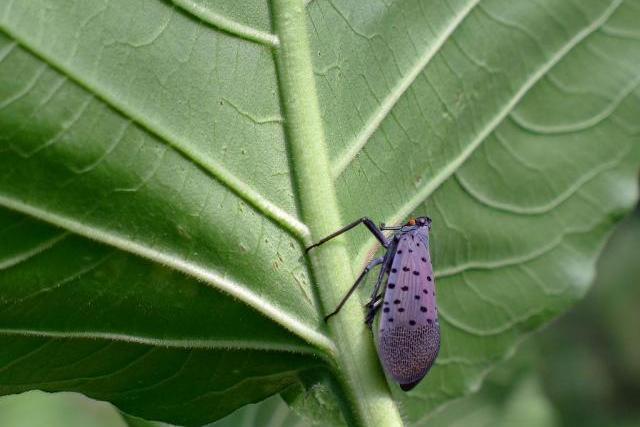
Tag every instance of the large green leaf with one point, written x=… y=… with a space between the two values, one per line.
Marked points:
x=163 y=164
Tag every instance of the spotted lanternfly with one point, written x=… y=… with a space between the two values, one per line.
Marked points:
x=409 y=332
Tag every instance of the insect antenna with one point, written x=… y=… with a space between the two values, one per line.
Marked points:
x=383 y=226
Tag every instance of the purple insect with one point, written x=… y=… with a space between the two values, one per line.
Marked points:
x=409 y=334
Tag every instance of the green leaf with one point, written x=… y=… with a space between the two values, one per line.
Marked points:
x=38 y=409
x=162 y=165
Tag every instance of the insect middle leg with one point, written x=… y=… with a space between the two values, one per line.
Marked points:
x=376 y=298
x=387 y=261
x=373 y=306
x=359 y=280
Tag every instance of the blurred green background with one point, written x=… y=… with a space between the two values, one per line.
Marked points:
x=582 y=370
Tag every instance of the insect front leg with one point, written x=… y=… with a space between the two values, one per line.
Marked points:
x=366 y=221
x=360 y=278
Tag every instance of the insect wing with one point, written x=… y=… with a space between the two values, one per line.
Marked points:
x=409 y=334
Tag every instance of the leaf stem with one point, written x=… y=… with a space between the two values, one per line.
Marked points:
x=358 y=370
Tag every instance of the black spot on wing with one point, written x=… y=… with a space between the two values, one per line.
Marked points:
x=394 y=295
x=406 y=274
x=406 y=282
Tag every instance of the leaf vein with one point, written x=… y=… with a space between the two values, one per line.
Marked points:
x=450 y=168
x=227 y=25
x=240 y=188
x=187 y=343
x=559 y=199
x=585 y=124
x=32 y=252
x=202 y=273
x=376 y=119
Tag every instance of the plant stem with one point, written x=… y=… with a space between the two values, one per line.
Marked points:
x=358 y=370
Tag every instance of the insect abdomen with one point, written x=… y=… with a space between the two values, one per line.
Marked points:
x=407 y=354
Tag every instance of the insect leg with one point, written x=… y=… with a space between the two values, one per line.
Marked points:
x=366 y=221
x=372 y=264
x=375 y=300
x=388 y=259
x=373 y=309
